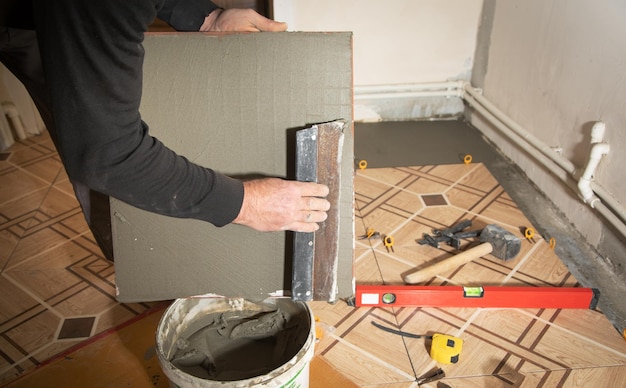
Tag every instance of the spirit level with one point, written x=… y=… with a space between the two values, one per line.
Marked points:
x=488 y=296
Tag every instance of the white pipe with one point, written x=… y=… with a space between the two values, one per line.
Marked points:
x=517 y=139
x=610 y=215
x=408 y=87
x=597 y=132
x=435 y=89
x=606 y=204
x=414 y=94
x=11 y=111
x=598 y=150
x=562 y=162
x=609 y=200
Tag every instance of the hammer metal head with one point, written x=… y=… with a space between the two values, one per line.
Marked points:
x=505 y=244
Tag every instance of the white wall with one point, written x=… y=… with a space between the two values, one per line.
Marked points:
x=400 y=42
x=12 y=90
x=555 y=68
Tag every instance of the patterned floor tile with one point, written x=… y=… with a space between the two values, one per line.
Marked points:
x=51 y=270
x=501 y=347
x=73 y=328
x=55 y=276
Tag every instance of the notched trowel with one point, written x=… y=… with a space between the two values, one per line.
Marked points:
x=315 y=255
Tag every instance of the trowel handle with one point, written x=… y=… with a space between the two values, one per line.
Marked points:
x=448 y=264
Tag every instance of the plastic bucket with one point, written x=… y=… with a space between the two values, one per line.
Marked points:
x=236 y=364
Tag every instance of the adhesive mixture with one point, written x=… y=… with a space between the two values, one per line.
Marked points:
x=238 y=345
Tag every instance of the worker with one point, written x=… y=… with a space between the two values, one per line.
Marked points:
x=81 y=62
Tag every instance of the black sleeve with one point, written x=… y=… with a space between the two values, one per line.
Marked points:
x=185 y=15
x=92 y=55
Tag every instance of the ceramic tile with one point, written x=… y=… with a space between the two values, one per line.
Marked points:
x=46 y=168
x=22 y=205
x=16 y=301
x=57 y=203
x=36 y=244
x=36 y=332
x=10 y=353
x=112 y=317
x=73 y=328
x=23 y=154
x=17 y=182
x=502 y=347
x=53 y=271
x=50 y=267
x=366 y=268
x=52 y=349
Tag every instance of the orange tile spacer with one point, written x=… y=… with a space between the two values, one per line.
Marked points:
x=389 y=241
x=319 y=332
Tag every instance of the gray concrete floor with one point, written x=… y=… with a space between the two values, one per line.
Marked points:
x=415 y=143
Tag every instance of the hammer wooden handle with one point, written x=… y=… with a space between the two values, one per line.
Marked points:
x=448 y=264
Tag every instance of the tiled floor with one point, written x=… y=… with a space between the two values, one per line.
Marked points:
x=57 y=290
x=502 y=347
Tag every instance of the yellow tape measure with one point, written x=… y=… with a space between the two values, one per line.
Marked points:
x=363 y=164
x=446 y=349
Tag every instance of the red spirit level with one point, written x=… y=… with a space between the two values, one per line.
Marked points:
x=495 y=296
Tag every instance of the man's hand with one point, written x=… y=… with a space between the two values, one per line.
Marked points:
x=235 y=19
x=274 y=204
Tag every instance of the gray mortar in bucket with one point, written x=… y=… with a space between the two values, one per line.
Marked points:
x=222 y=339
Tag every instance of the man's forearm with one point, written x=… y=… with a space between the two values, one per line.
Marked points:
x=93 y=56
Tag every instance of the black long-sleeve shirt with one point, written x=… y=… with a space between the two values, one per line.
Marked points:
x=92 y=56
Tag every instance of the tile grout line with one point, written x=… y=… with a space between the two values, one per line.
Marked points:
x=29 y=223
x=390 y=185
x=362 y=255
x=43 y=188
x=371 y=356
x=580 y=336
x=461 y=178
x=20 y=168
x=35 y=352
x=9 y=268
x=3 y=271
x=469 y=321
x=28 y=291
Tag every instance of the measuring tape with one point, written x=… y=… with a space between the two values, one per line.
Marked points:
x=446 y=349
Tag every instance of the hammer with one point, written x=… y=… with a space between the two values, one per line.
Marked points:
x=494 y=239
